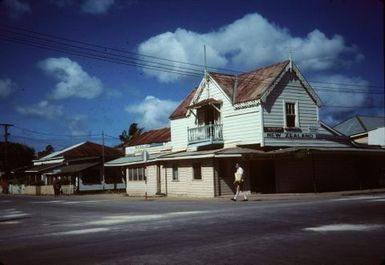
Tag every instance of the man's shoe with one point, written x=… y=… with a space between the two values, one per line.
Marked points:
x=245 y=200
x=233 y=199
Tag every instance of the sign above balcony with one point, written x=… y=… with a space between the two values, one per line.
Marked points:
x=279 y=135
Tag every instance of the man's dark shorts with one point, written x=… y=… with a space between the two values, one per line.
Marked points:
x=239 y=183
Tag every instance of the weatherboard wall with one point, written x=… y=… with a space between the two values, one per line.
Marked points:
x=308 y=118
x=139 y=187
x=186 y=185
x=240 y=126
x=179 y=135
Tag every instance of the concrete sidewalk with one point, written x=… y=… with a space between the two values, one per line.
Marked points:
x=251 y=197
x=312 y=195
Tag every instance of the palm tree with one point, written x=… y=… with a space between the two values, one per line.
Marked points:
x=48 y=150
x=133 y=131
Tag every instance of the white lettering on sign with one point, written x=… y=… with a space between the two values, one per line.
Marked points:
x=313 y=129
x=290 y=135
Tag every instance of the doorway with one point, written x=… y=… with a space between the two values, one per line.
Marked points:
x=262 y=176
x=158 y=181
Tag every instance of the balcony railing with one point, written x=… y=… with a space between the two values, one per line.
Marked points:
x=211 y=133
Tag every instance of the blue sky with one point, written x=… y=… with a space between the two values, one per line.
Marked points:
x=61 y=99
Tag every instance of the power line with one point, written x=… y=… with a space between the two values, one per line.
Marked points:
x=94 y=51
x=108 y=48
x=56 y=142
x=94 y=54
x=353 y=107
x=66 y=137
x=103 y=58
x=41 y=141
x=113 y=137
x=90 y=51
x=58 y=135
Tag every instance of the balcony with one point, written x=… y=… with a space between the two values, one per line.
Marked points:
x=206 y=134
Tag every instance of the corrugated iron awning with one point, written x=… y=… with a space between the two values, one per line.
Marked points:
x=70 y=169
x=131 y=160
x=42 y=168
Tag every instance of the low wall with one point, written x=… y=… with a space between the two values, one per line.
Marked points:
x=97 y=187
x=39 y=190
x=65 y=189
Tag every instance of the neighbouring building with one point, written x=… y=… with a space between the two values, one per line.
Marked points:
x=79 y=166
x=268 y=121
x=140 y=160
x=364 y=129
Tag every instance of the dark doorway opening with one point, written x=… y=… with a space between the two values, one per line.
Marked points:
x=262 y=176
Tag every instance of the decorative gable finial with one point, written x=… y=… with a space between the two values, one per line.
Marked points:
x=206 y=71
x=290 y=58
x=205 y=58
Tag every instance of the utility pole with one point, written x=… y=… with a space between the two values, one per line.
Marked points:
x=6 y=134
x=103 y=177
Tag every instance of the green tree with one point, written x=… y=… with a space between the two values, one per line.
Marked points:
x=18 y=155
x=133 y=131
x=48 y=150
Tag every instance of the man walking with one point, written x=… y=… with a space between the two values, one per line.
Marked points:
x=56 y=186
x=238 y=182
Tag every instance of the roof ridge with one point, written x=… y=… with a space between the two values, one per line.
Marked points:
x=156 y=129
x=361 y=123
x=342 y=122
x=251 y=71
x=59 y=152
x=355 y=117
x=264 y=67
x=217 y=73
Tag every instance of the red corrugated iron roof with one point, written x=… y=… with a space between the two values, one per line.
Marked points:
x=153 y=136
x=251 y=85
x=91 y=149
x=181 y=110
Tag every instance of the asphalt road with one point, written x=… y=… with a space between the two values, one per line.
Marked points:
x=119 y=230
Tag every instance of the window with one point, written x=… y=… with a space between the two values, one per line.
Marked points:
x=136 y=174
x=175 y=176
x=197 y=171
x=291 y=118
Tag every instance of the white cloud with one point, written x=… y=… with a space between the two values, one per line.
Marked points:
x=342 y=92
x=247 y=43
x=152 y=112
x=7 y=87
x=113 y=93
x=78 y=125
x=17 y=8
x=97 y=6
x=73 y=80
x=183 y=46
x=43 y=109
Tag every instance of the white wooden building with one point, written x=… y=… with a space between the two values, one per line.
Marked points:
x=271 y=106
x=267 y=120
